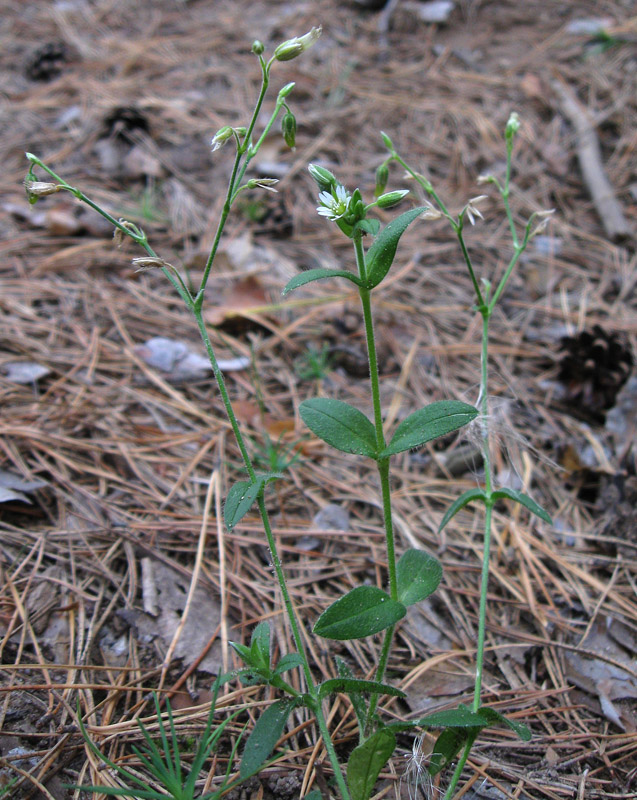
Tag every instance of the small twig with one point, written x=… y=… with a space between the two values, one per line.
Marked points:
x=590 y=161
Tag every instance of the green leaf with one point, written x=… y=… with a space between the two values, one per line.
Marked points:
x=493 y=717
x=362 y=612
x=380 y=255
x=311 y=275
x=523 y=500
x=446 y=748
x=428 y=423
x=366 y=761
x=464 y=500
x=260 y=646
x=287 y=662
x=339 y=424
x=461 y=717
x=357 y=700
x=265 y=734
x=245 y=654
x=371 y=226
x=418 y=576
x=315 y=794
x=355 y=686
x=242 y=495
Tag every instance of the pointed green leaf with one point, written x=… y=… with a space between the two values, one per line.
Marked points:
x=371 y=226
x=260 y=645
x=362 y=612
x=494 y=717
x=245 y=654
x=315 y=794
x=461 y=717
x=380 y=255
x=311 y=275
x=339 y=424
x=355 y=686
x=418 y=576
x=357 y=700
x=287 y=662
x=446 y=748
x=265 y=734
x=428 y=423
x=366 y=761
x=464 y=500
x=242 y=495
x=524 y=500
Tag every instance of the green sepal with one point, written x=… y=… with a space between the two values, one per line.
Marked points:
x=355 y=686
x=310 y=275
x=430 y=422
x=467 y=497
x=380 y=255
x=366 y=761
x=362 y=612
x=242 y=495
x=265 y=734
x=339 y=424
x=418 y=575
x=523 y=500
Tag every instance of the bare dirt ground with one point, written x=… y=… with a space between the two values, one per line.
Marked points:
x=114 y=463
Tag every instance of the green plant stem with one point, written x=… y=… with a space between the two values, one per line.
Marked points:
x=427 y=186
x=331 y=752
x=457 y=773
x=383 y=466
x=488 y=481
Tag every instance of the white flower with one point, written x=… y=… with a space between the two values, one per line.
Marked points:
x=334 y=205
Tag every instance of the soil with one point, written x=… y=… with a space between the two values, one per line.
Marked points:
x=117 y=575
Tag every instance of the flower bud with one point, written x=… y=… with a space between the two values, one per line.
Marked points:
x=294 y=47
x=513 y=125
x=391 y=198
x=285 y=91
x=257 y=47
x=382 y=176
x=387 y=141
x=221 y=137
x=288 y=128
x=323 y=177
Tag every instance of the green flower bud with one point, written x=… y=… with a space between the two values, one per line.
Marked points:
x=323 y=177
x=294 y=47
x=288 y=128
x=257 y=47
x=513 y=125
x=221 y=137
x=391 y=198
x=285 y=91
x=387 y=141
x=382 y=176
